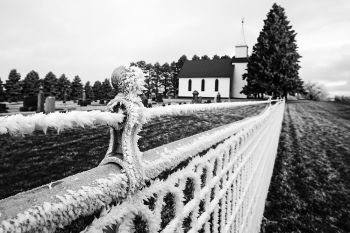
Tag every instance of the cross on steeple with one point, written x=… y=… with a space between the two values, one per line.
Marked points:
x=243 y=42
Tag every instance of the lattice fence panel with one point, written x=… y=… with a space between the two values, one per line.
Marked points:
x=223 y=190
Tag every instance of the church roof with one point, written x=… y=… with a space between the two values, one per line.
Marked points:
x=207 y=68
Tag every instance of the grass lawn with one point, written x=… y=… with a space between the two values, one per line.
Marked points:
x=310 y=187
x=34 y=160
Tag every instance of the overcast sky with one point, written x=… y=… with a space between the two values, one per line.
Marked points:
x=91 y=38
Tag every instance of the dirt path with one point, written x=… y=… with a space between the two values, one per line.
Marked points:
x=310 y=187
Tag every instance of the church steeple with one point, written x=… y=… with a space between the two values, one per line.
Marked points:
x=242 y=47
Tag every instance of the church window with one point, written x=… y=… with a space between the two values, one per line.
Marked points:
x=203 y=85
x=216 y=85
x=189 y=85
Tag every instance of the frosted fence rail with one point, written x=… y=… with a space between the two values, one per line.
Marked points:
x=215 y=181
x=223 y=190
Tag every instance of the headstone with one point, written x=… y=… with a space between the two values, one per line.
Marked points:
x=3 y=108
x=29 y=103
x=195 y=97
x=218 y=98
x=49 y=104
x=84 y=96
x=41 y=100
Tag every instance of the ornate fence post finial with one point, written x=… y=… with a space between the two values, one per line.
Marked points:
x=123 y=149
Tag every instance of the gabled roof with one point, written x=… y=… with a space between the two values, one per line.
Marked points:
x=207 y=68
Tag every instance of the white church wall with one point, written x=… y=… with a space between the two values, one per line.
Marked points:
x=209 y=91
x=238 y=82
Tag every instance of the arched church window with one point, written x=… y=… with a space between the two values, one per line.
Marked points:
x=189 y=85
x=216 y=84
x=203 y=85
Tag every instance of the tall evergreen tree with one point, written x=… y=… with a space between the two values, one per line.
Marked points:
x=149 y=71
x=157 y=77
x=274 y=64
x=88 y=91
x=205 y=57
x=13 y=86
x=2 y=92
x=50 y=84
x=195 y=58
x=30 y=84
x=107 y=91
x=176 y=70
x=225 y=57
x=97 y=90
x=77 y=88
x=63 y=86
x=166 y=78
x=173 y=77
x=216 y=57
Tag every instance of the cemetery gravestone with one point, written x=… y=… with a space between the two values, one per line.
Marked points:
x=3 y=108
x=195 y=97
x=40 y=104
x=29 y=103
x=49 y=104
x=218 y=98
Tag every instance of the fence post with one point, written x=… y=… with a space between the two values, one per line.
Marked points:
x=123 y=149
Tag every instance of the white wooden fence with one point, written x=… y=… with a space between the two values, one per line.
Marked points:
x=216 y=181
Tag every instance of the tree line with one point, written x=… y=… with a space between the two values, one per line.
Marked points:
x=16 y=89
x=161 y=79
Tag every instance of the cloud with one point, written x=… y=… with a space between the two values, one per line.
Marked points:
x=90 y=38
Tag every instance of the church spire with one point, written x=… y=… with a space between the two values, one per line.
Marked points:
x=242 y=47
x=243 y=42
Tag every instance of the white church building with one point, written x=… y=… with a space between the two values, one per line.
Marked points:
x=209 y=77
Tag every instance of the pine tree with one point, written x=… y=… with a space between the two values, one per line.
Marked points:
x=88 y=91
x=156 y=78
x=176 y=70
x=13 y=86
x=77 y=88
x=148 y=76
x=2 y=92
x=63 y=86
x=166 y=78
x=97 y=90
x=30 y=84
x=50 y=84
x=107 y=91
x=195 y=58
x=273 y=66
x=225 y=57
x=205 y=57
